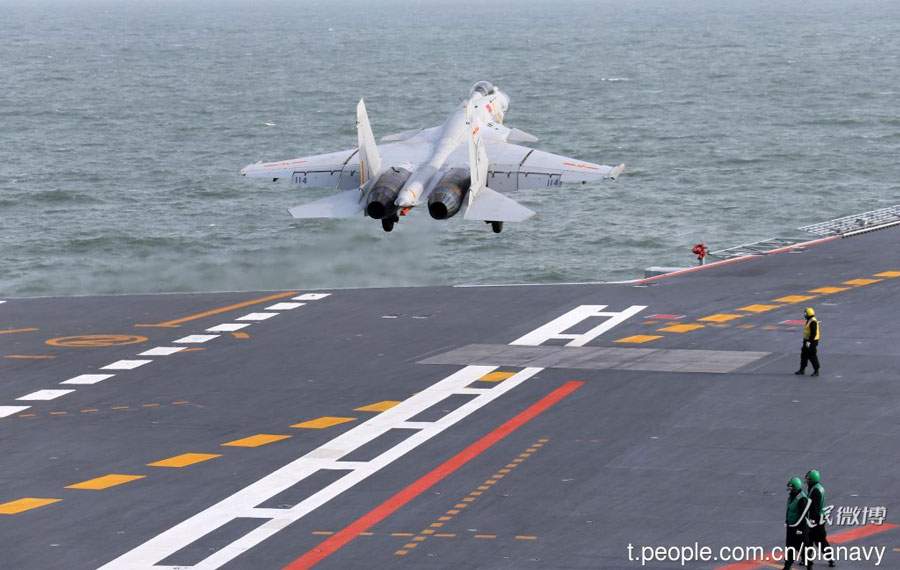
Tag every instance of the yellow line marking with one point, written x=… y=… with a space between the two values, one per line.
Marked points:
x=720 y=318
x=10 y=331
x=378 y=406
x=366 y=533
x=239 y=334
x=445 y=518
x=401 y=552
x=445 y=535
x=149 y=405
x=323 y=422
x=427 y=531
x=419 y=538
x=439 y=524
x=680 y=328
x=746 y=326
x=499 y=476
x=862 y=281
x=638 y=338
x=771 y=328
x=256 y=440
x=26 y=504
x=485 y=536
x=483 y=487
x=795 y=298
x=184 y=460
x=460 y=506
x=105 y=482
x=120 y=407
x=828 y=290
x=453 y=512
x=468 y=499
x=476 y=493
x=193 y=349
x=758 y=308
x=889 y=274
x=543 y=440
x=27 y=415
x=323 y=532
x=491 y=481
x=402 y=534
x=496 y=376
x=411 y=545
x=525 y=537
x=177 y=322
x=94 y=340
x=524 y=455
x=510 y=465
x=179 y=402
x=27 y=356
x=58 y=413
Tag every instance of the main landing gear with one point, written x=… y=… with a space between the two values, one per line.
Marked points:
x=387 y=224
x=496 y=226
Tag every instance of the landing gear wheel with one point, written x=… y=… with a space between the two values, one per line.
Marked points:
x=497 y=227
x=387 y=224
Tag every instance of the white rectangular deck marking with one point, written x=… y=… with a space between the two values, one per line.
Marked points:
x=162 y=351
x=257 y=316
x=10 y=410
x=243 y=503
x=125 y=364
x=228 y=327
x=284 y=306
x=88 y=379
x=196 y=338
x=310 y=297
x=556 y=328
x=45 y=395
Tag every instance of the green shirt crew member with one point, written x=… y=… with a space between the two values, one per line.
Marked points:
x=797 y=536
x=816 y=516
x=811 y=334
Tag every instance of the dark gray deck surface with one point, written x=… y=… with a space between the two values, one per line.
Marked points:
x=665 y=443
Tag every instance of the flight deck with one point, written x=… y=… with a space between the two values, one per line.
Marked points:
x=542 y=426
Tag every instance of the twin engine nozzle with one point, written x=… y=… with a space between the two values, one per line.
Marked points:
x=444 y=202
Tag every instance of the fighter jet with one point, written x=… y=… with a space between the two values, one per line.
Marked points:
x=463 y=166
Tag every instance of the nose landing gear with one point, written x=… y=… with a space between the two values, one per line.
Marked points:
x=387 y=224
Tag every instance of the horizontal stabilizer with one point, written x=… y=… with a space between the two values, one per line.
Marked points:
x=516 y=135
x=405 y=135
x=344 y=205
x=492 y=206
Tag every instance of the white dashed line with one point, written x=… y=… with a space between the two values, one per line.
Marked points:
x=228 y=327
x=197 y=338
x=10 y=410
x=45 y=395
x=88 y=379
x=310 y=297
x=1 y=302
x=125 y=364
x=162 y=351
x=284 y=306
x=257 y=316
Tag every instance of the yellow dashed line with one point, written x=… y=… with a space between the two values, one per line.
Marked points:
x=401 y=552
x=149 y=405
x=829 y=290
x=680 y=328
x=476 y=493
x=452 y=512
x=89 y=411
x=58 y=413
x=428 y=531
x=378 y=406
x=402 y=534
x=525 y=537
x=485 y=536
x=325 y=532
x=184 y=460
x=256 y=440
x=445 y=518
x=105 y=482
x=446 y=535
x=639 y=338
x=746 y=326
x=323 y=422
x=889 y=274
x=758 y=308
x=795 y=298
x=720 y=318
x=26 y=504
x=120 y=407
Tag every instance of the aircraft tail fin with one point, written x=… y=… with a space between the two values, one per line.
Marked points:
x=478 y=160
x=492 y=206
x=369 y=160
x=343 y=205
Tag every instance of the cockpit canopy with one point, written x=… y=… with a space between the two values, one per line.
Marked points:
x=483 y=88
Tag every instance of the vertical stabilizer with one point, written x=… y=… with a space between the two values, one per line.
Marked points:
x=478 y=160
x=369 y=161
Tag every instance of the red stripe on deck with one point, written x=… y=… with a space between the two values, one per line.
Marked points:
x=331 y=545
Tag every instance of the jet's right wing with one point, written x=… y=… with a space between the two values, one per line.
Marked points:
x=333 y=170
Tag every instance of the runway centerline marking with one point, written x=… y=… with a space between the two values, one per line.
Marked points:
x=177 y=322
x=243 y=503
x=10 y=331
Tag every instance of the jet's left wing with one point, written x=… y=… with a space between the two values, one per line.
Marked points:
x=513 y=167
x=333 y=170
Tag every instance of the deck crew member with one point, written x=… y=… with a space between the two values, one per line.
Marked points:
x=810 y=343
x=797 y=536
x=816 y=517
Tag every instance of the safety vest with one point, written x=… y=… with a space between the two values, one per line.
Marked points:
x=794 y=513
x=821 y=506
x=806 y=329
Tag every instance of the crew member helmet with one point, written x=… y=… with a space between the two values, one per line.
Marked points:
x=809 y=312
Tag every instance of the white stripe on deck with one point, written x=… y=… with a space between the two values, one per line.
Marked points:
x=284 y=306
x=45 y=395
x=257 y=316
x=243 y=504
x=125 y=364
x=197 y=338
x=310 y=297
x=228 y=327
x=10 y=410
x=162 y=351
x=88 y=379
